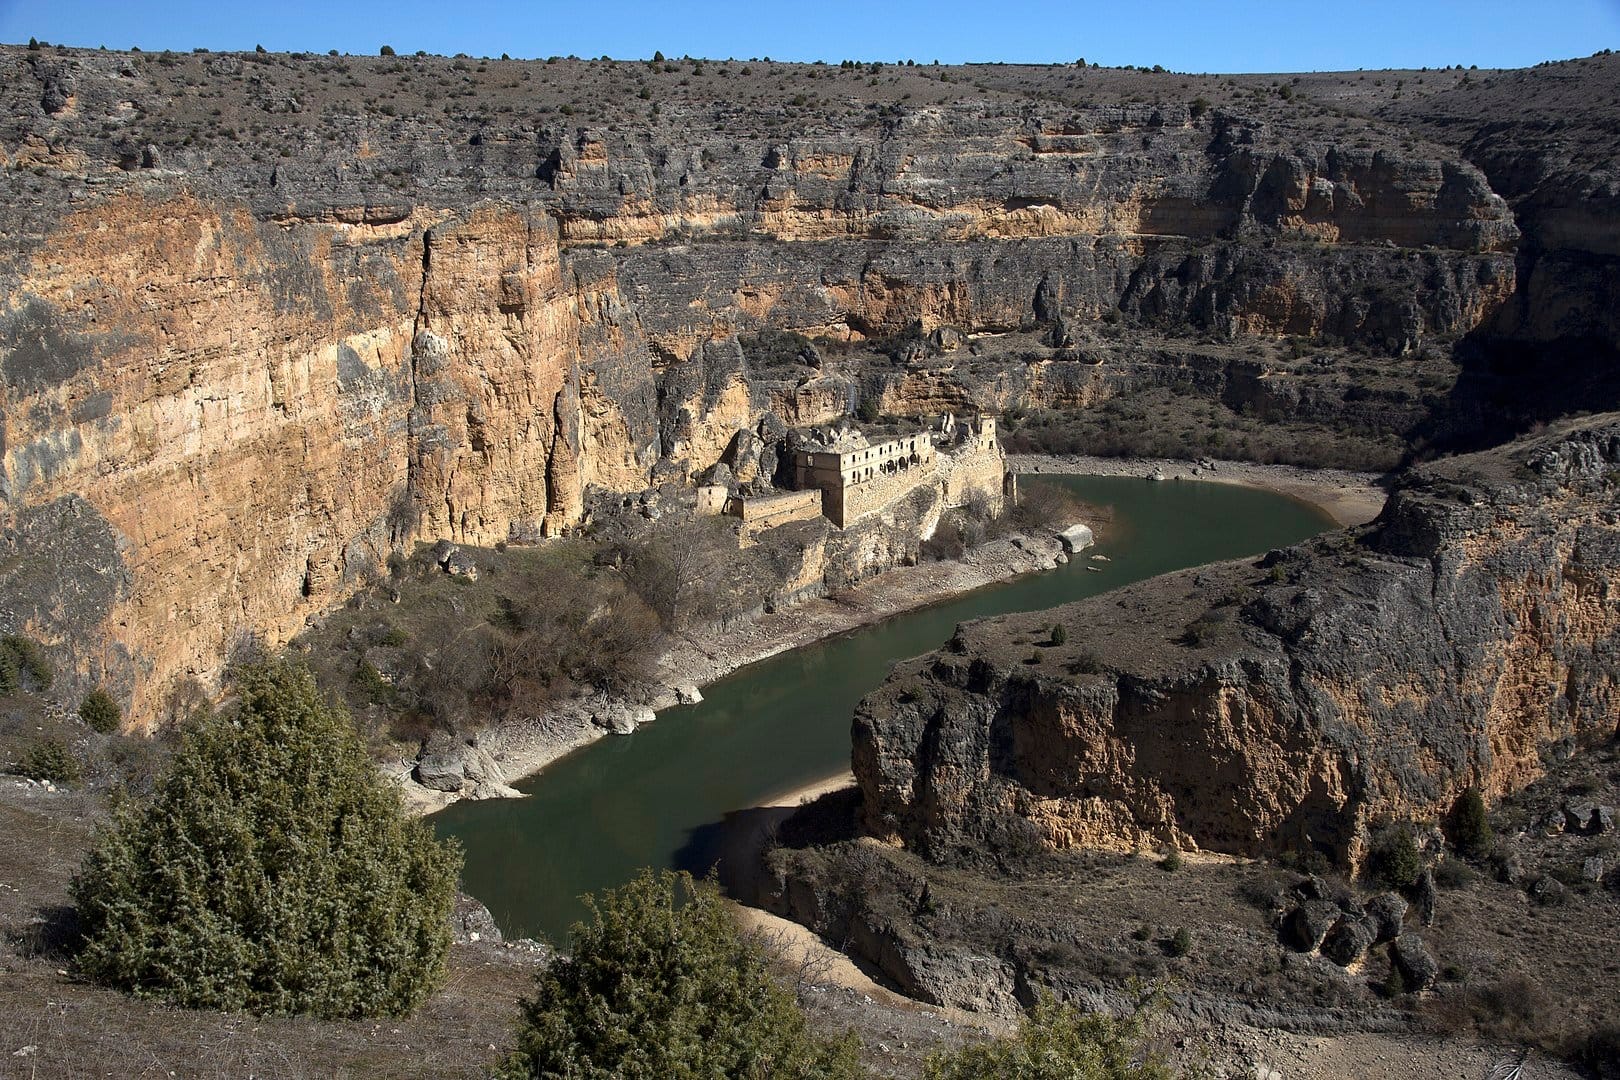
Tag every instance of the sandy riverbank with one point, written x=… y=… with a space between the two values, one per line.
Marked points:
x=523 y=748
x=1350 y=498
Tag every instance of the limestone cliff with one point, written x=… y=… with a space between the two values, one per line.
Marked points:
x=262 y=327
x=1465 y=638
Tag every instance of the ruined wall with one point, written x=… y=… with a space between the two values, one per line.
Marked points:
x=767 y=512
x=978 y=469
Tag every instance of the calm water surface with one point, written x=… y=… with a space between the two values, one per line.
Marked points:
x=593 y=818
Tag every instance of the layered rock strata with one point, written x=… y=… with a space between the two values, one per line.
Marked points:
x=1464 y=639
x=262 y=364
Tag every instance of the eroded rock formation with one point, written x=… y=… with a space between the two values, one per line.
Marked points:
x=264 y=359
x=1466 y=637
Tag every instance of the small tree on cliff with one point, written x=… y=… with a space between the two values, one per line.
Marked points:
x=100 y=710
x=1469 y=827
x=273 y=871
x=660 y=984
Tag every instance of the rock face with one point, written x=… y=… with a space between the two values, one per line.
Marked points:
x=264 y=364
x=1286 y=704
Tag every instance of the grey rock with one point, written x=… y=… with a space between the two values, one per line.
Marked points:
x=1424 y=896
x=621 y=718
x=1548 y=890
x=441 y=772
x=1304 y=927
x=1076 y=538
x=687 y=694
x=1349 y=938
x=471 y=921
x=1588 y=819
x=718 y=474
x=743 y=455
x=1412 y=959
x=1313 y=888
x=1388 y=913
x=462 y=565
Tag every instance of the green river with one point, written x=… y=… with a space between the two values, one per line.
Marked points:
x=593 y=818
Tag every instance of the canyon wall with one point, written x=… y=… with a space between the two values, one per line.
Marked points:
x=1467 y=637
x=251 y=368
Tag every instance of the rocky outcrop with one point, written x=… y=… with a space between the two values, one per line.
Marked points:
x=1468 y=635
x=268 y=362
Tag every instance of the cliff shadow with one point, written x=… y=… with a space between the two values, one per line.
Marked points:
x=733 y=849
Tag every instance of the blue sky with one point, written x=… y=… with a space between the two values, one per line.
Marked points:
x=1184 y=35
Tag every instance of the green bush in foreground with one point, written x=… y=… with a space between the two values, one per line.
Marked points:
x=100 y=711
x=271 y=872
x=660 y=985
x=1058 y=1042
x=1394 y=860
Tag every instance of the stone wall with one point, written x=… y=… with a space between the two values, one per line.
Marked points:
x=979 y=468
x=768 y=511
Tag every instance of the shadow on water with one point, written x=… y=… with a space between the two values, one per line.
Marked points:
x=728 y=847
x=672 y=794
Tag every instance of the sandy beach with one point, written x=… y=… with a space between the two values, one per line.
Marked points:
x=1350 y=498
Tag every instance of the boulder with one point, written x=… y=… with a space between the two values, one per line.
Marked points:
x=471 y=921
x=462 y=565
x=1548 y=890
x=1349 y=938
x=1076 y=538
x=1304 y=927
x=441 y=772
x=1588 y=819
x=1313 y=888
x=743 y=455
x=1387 y=912
x=1413 y=960
x=687 y=694
x=620 y=718
x=1424 y=895
x=717 y=475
